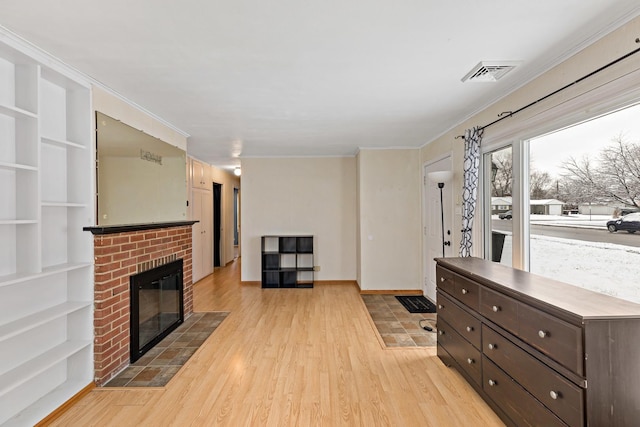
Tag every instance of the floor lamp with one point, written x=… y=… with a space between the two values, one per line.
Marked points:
x=440 y=178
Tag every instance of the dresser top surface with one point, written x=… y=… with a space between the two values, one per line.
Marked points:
x=577 y=302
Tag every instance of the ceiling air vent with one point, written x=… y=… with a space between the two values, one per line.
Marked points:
x=489 y=71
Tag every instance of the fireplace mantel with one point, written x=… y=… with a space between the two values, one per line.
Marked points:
x=127 y=228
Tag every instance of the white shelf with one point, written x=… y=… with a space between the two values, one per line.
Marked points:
x=48 y=271
x=63 y=205
x=26 y=323
x=17 y=221
x=47 y=404
x=31 y=368
x=6 y=165
x=62 y=143
x=16 y=112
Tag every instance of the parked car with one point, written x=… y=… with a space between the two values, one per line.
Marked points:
x=629 y=223
x=505 y=215
x=627 y=211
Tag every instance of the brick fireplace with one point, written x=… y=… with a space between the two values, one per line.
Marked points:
x=120 y=252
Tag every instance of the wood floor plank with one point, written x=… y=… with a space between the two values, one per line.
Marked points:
x=299 y=357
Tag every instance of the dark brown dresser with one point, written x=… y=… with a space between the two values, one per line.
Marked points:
x=540 y=352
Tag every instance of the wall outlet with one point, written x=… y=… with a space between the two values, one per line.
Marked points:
x=316 y=268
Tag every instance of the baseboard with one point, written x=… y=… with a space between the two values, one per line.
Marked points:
x=250 y=282
x=392 y=292
x=335 y=282
x=66 y=405
x=316 y=282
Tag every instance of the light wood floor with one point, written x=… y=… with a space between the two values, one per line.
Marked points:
x=300 y=357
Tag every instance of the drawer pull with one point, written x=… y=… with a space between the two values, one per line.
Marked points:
x=492 y=346
x=469 y=328
x=440 y=306
x=492 y=383
x=543 y=334
x=442 y=279
x=440 y=332
x=470 y=362
x=495 y=308
x=464 y=291
x=554 y=394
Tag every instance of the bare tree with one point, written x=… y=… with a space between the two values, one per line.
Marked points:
x=615 y=177
x=502 y=182
x=620 y=171
x=539 y=185
x=572 y=192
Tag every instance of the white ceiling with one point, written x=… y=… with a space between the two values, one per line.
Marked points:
x=309 y=78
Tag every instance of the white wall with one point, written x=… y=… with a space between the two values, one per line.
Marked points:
x=390 y=240
x=301 y=196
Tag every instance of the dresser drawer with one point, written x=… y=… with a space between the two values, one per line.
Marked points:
x=466 y=355
x=464 y=323
x=468 y=292
x=556 y=338
x=499 y=308
x=515 y=401
x=558 y=394
x=444 y=280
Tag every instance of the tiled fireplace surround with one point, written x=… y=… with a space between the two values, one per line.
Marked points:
x=120 y=253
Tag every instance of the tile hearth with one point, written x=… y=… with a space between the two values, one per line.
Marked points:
x=396 y=326
x=161 y=363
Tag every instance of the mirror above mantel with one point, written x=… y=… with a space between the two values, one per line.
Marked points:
x=140 y=178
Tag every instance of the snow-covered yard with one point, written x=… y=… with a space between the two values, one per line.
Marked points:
x=603 y=267
x=592 y=221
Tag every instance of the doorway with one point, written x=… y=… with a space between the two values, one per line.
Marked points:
x=236 y=223
x=437 y=223
x=217 y=225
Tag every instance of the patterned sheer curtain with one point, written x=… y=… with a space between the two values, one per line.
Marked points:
x=472 y=140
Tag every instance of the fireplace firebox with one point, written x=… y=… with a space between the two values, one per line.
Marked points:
x=156 y=306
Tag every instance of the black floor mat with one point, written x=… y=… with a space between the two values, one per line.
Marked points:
x=417 y=304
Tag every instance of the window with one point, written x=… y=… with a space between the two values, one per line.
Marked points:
x=579 y=201
x=587 y=174
x=499 y=170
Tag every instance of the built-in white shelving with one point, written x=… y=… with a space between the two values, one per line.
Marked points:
x=61 y=143
x=11 y=329
x=46 y=271
x=17 y=166
x=46 y=260
x=15 y=112
x=35 y=366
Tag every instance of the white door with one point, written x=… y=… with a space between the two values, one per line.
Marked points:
x=433 y=224
x=202 y=240
x=197 y=237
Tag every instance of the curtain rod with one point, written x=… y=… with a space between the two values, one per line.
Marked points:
x=507 y=114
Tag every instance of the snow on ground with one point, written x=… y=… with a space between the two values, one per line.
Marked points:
x=602 y=267
x=592 y=221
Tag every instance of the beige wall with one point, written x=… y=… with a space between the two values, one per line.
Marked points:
x=389 y=220
x=117 y=108
x=301 y=196
x=551 y=113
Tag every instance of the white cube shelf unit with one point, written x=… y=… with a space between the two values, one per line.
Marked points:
x=46 y=260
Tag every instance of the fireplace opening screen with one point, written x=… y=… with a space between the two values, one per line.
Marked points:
x=156 y=306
